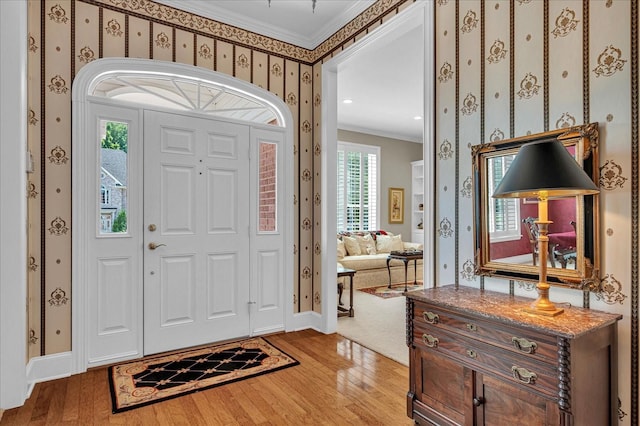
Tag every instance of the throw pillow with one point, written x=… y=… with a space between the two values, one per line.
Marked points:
x=367 y=245
x=352 y=246
x=342 y=251
x=396 y=243
x=383 y=243
x=389 y=243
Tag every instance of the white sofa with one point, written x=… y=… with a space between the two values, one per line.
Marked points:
x=372 y=268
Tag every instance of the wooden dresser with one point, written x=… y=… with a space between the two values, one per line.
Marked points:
x=476 y=358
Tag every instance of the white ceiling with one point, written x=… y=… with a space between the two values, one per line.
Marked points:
x=384 y=80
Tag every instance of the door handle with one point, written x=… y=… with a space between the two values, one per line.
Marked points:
x=153 y=246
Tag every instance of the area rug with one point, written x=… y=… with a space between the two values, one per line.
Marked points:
x=395 y=290
x=379 y=324
x=150 y=380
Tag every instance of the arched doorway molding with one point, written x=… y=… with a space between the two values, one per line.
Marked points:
x=420 y=14
x=84 y=84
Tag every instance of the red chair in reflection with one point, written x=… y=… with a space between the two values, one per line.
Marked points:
x=531 y=229
x=562 y=246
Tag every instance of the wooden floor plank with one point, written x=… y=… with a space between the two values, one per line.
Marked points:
x=337 y=382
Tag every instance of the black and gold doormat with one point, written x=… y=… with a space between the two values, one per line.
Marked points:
x=150 y=380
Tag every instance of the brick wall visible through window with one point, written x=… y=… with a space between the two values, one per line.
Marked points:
x=267 y=219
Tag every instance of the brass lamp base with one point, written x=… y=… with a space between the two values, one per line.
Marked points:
x=534 y=310
x=542 y=305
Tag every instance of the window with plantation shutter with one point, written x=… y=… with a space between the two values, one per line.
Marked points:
x=504 y=213
x=358 y=176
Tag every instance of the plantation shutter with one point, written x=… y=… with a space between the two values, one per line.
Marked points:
x=504 y=213
x=371 y=190
x=341 y=219
x=357 y=192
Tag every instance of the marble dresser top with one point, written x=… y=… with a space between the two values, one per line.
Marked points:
x=572 y=323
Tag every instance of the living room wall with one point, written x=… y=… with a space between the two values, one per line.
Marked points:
x=395 y=171
x=511 y=68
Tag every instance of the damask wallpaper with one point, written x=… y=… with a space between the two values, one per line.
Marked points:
x=504 y=68
x=508 y=68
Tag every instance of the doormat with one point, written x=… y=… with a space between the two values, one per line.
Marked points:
x=396 y=289
x=150 y=380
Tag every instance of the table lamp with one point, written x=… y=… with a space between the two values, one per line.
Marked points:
x=541 y=170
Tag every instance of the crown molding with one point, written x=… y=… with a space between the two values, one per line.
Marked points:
x=382 y=133
x=209 y=9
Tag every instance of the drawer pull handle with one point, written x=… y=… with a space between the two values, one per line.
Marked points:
x=472 y=354
x=478 y=401
x=430 y=341
x=472 y=327
x=431 y=318
x=524 y=345
x=524 y=375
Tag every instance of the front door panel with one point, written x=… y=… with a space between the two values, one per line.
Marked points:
x=196 y=216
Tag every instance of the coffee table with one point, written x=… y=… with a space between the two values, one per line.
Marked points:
x=405 y=256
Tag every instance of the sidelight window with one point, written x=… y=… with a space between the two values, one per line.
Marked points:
x=113 y=142
x=267 y=219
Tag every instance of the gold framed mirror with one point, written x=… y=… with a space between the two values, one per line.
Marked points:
x=504 y=229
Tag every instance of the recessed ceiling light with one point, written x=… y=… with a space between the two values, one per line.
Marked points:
x=347 y=101
x=417 y=117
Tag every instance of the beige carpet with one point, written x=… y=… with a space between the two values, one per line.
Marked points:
x=378 y=324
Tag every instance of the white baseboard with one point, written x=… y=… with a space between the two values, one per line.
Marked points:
x=309 y=319
x=48 y=367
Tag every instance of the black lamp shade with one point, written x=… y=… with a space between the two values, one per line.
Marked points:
x=544 y=166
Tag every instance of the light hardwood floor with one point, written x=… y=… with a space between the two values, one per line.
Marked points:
x=338 y=382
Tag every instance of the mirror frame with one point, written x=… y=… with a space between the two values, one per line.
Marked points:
x=586 y=275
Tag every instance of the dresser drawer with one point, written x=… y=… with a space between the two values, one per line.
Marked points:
x=557 y=371
x=517 y=340
x=525 y=371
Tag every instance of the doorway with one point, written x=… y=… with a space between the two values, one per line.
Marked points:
x=194 y=262
x=420 y=15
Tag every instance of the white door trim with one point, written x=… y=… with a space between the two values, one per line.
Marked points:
x=416 y=15
x=82 y=86
x=13 y=210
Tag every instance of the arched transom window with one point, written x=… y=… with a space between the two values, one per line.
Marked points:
x=185 y=94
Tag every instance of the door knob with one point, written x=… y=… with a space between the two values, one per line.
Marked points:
x=152 y=227
x=478 y=401
x=153 y=246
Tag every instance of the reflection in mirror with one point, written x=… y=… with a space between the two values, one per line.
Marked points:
x=512 y=232
x=522 y=248
x=505 y=229
x=114 y=138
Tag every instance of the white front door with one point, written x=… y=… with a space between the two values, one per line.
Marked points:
x=196 y=231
